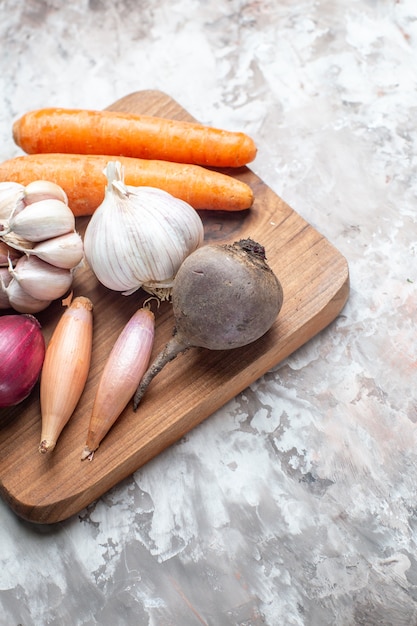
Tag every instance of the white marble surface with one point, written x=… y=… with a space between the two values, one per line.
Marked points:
x=296 y=504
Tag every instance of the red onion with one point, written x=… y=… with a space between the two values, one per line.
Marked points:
x=22 y=351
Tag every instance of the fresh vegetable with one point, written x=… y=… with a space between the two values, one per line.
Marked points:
x=39 y=244
x=22 y=351
x=65 y=251
x=114 y=133
x=40 y=221
x=41 y=280
x=43 y=190
x=83 y=180
x=65 y=369
x=12 y=295
x=121 y=375
x=139 y=237
x=224 y=296
x=11 y=195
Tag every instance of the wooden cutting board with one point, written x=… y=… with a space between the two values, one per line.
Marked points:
x=315 y=280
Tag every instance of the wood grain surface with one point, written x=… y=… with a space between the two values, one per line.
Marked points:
x=315 y=280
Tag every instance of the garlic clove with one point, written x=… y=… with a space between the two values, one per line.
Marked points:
x=11 y=199
x=21 y=301
x=43 y=220
x=43 y=190
x=41 y=280
x=66 y=251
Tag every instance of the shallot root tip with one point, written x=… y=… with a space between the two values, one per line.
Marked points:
x=87 y=454
x=46 y=446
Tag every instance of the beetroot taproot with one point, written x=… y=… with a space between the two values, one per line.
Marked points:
x=224 y=296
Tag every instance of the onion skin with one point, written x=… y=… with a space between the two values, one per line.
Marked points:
x=22 y=352
x=224 y=296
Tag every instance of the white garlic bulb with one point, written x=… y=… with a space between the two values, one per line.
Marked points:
x=39 y=244
x=139 y=236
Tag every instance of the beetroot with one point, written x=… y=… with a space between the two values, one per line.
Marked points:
x=224 y=296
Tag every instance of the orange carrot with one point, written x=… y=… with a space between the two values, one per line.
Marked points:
x=80 y=131
x=82 y=178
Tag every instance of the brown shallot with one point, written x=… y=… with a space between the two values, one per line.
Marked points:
x=65 y=369
x=122 y=373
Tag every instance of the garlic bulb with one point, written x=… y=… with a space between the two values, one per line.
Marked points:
x=39 y=244
x=139 y=236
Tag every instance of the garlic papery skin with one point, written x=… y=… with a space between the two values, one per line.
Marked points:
x=11 y=199
x=7 y=253
x=42 y=220
x=139 y=236
x=41 y=280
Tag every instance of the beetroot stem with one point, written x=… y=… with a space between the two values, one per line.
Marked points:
x=174 y=347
